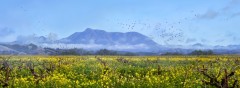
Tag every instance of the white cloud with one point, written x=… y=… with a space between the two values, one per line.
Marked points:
x=231 y=5
x=235 y=14
x=191 y=40
x=6 y=32
x=52 y=37
x=226 y=10
x=97 y=46
x=210 y=14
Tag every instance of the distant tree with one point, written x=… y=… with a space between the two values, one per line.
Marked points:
x=200 y=52
x=210 y=52
x=129 y=54
x=84 y=52
x=174 y=53
x=70 y=52
x=106 y=52
x=51 y=51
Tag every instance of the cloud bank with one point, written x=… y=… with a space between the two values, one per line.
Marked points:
x=97 y=46
x=6 y=32
x=212 y=14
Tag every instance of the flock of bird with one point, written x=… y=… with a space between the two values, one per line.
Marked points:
x=165 y=31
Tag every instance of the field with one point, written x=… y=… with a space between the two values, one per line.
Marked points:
x=120 y=71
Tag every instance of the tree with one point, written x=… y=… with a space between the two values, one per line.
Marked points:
x=70 y=52
x=200 y=52
x=170 y=53
x=129 y=54
x=106 y=52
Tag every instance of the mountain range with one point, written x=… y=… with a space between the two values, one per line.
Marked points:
x=94 y=39
x=97 y=39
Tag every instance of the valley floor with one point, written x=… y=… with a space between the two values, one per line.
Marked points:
x=120 y=71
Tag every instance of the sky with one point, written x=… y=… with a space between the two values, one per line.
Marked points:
x=168 y=22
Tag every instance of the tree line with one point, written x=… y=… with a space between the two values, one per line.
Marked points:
x=76 y=51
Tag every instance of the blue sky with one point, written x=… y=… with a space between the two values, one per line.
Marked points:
x=210 y=22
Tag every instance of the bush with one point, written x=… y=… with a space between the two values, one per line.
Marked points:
x=200 y=52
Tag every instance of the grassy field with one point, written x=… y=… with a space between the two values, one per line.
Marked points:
x=120 y=71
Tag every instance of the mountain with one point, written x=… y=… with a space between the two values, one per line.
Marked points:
x=90 y=36
x=31 y=39
x=30 y=49
x=230 y=49
x=6 y=50
x=198 y=45
x=94 y=39
x=97 y=39
x=233 y=46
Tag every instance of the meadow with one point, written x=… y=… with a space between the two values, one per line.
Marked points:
x=120 y=71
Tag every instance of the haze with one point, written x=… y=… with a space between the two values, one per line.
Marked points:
x=210 y=22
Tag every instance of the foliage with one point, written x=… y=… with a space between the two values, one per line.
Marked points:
x=169 y=53
x=106 y=52
x=200 y=52
x=120 y=71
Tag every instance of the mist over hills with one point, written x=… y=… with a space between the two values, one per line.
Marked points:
x=94 y=39
x=97 y=39
x=107 y=38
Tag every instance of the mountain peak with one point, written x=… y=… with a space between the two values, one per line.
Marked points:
x=198 y=44
x=93 y=30
x=111 y=40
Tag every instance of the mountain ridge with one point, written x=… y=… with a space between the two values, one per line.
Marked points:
x=133 y=40
x=103 y=37
x=95 y=39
